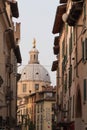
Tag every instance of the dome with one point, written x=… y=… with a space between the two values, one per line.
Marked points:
x=35 y=72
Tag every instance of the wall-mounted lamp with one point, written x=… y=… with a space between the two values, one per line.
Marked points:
x=64 y=17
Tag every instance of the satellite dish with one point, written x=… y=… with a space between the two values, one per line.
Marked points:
x=64 y=17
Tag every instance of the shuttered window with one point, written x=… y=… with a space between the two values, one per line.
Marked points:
x=85 y=89
x=70 y=76
x=63 y=47
x=84 y=50
x=84 y=8
x=70 y=45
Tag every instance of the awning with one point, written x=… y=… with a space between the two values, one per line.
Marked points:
x=58 y=23
x=54 y=65
x=75 y=13
x=18 y=54
x=14 y=9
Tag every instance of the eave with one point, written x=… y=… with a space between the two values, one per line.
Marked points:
x=58 y=23
x=56 y=49
x=56 y=45
x=63 y=1
x=18 y=54
x=54 y=65
x=14 y=9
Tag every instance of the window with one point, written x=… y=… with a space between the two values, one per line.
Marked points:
x=70 y=75
x=84 y=8
x=73 y=99
x=63 y=47
x=70 y=44
x=41 y=107
x=36 y=86
x=53 y=106
x=24 y=87
x=49 y=95
x=37 y=108
x=65 y=83
x=84 y=50
x=34 y=57
x=85 y=89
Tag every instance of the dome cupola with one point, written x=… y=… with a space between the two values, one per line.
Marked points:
x=34 y=54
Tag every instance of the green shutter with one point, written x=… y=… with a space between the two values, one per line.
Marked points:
x=63 y=48
x=84 y=11
x=86 y=47
x=70 y=76
x=70 y=45
x=84 y=90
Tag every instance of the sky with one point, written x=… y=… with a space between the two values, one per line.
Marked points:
x=37 y=20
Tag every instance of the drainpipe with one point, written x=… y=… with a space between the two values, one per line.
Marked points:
x=76 y=55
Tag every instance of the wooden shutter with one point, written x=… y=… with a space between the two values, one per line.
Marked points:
x=84 y=91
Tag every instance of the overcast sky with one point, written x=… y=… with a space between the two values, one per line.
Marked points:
x=37 y=20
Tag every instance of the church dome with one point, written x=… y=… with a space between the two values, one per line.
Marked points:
x=34 y=71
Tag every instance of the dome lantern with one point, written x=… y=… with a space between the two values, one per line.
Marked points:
x=34 y=54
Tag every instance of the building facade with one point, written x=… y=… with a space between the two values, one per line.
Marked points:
x=45 y=102
x=9 y=57
x=70 y=46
